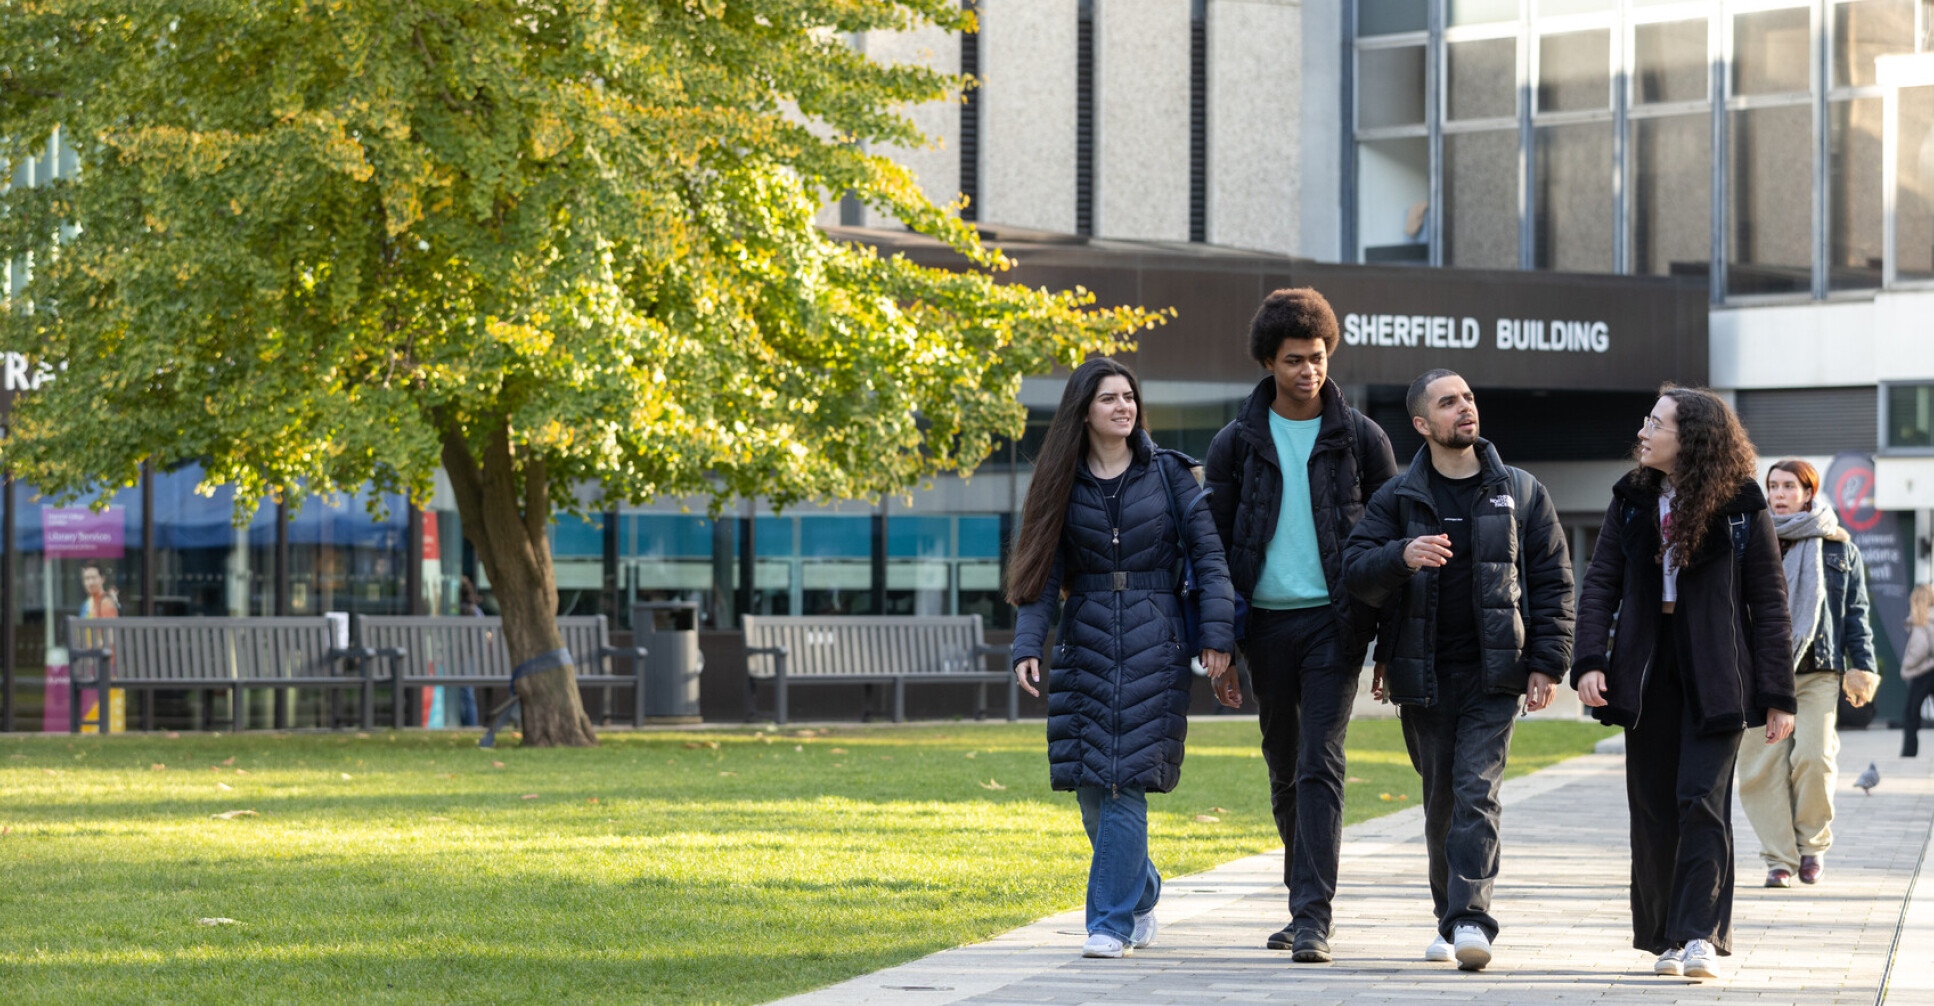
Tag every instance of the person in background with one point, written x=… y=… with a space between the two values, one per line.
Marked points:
x=469 y=604
x=1914 y=666
x=103 y=601
x=1787 y=788
x=1100 y=526
x=1688 y=564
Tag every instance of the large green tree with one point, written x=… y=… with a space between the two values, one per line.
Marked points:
x=564 y=249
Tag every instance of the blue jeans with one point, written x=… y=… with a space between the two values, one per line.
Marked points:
x=467 y=706
x=1122 y=882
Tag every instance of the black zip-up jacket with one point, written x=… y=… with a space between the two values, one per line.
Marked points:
x=1349 y=462
x=1118 y=688
x=1524 y=624
x=1739 y=645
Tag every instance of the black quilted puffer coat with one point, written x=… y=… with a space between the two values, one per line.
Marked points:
x=1118 y=680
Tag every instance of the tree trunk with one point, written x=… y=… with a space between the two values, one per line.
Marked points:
x=506 y=512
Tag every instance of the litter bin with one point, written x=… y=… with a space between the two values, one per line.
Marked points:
x=668 y=630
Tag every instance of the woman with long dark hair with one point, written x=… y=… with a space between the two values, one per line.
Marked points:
x=1107 y=517
x=1688 y=563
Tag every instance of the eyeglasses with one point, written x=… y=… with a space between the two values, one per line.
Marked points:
x=1652 y=425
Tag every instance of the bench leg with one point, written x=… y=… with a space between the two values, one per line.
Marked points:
x=369 y=704
x=1013 y=699
x=980 y=710
x=237 y=710
x=751 y=698
x=400 y=697
x=899 y=700
x=207 y=709
x=73 y=701
x=779 y=699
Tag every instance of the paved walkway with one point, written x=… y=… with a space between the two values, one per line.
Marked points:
x=1561 y=897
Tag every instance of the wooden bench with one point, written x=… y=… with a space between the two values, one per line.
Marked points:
x=871 y=649
x=426 y=651
x=213 y=654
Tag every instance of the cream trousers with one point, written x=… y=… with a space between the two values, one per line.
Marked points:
x=1787 y=788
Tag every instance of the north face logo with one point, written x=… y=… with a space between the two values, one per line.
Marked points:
x=1504 y=502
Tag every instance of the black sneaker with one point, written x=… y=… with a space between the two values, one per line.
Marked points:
x=1310 y=948
x=1281 y=939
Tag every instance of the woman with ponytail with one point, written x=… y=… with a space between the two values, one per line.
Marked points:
x=1107 y=519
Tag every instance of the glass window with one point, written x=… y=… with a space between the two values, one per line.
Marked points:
x=340 y=558
x=1481 y=200
x=1769 y=235
x=1669 y=61
x=1771 y=52
x=1864 y=30
x=1914 y=186
x=1910 y=415
x=1671 y=210
x=1482 y=79
x=1574 y=227
x=1393 y=193
x=1390 y=17
x=1463 y=12
x=1574 y=71
x=1390 y=87
x=1560 y=8
x=71 y=560
x=1853 y=194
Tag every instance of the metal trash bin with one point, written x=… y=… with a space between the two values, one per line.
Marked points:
x=668 y=630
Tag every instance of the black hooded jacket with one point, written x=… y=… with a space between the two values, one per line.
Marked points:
x=1118 y=687
x=1350 y=461
x=1737 y=650
x=1521 y=572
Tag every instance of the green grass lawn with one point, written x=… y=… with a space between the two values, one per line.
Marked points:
x=730 y=867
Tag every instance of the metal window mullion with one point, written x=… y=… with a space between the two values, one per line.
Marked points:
x=1527 y=100
x=1436 y=89
x=1821 y=38
x=1889 y=180
x=1621 y=147
x=1347 y=237
x=1718 y=58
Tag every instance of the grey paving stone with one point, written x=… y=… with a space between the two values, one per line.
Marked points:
x=1561 y=899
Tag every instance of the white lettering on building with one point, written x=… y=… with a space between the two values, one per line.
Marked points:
x=1410 y=331
x=14 y=375
x=1533 y=334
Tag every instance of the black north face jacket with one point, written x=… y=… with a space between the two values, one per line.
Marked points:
x=1521 y=572
x=1349 y=461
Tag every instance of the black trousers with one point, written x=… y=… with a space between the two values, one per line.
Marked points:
x=1679 y=785
x=1459 y=746
x=1305 y=683
x=1918 y=689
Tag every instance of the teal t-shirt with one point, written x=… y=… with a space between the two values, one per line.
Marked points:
x=1292 y=567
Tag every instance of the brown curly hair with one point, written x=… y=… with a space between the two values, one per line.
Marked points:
x=1715 y=456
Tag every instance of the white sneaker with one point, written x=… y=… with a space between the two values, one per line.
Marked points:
x=1473 y=948
x=1104 y=945
x=1145 y=929
x=1439 y=950
x=1702 y=961
x=1672 y=962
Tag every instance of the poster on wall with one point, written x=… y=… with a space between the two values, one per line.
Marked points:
x=93 y=539
x=1882 y=538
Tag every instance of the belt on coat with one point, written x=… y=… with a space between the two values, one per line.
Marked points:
x=1099 y=583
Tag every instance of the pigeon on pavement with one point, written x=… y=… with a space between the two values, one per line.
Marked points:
x=1868 y=779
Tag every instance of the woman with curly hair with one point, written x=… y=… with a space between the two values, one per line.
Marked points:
x=1688 y=564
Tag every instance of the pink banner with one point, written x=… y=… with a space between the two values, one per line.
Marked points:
x=81 y=533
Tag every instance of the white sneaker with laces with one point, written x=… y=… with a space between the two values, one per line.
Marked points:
x=1104 y=945
x=1473 y=948
x=1702 y=961
x=1672 y=962
x=1439 y=950
x=1145 y=929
